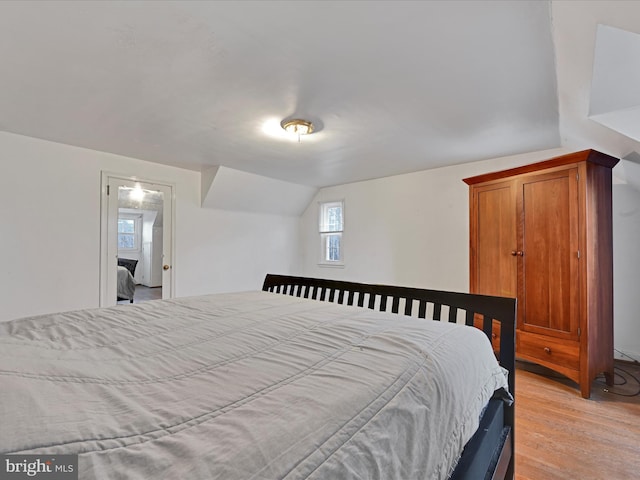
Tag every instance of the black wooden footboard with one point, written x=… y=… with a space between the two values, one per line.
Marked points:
x=416 y=302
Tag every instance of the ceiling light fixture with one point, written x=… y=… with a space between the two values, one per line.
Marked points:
x=297 y=127
x=137 y=193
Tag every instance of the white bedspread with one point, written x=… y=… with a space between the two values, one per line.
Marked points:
x=249 y=385
x=126 y=283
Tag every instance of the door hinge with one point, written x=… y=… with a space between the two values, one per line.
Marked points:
x=579 y=331
x=578 y=253
x=577 y=176
x=107 y=189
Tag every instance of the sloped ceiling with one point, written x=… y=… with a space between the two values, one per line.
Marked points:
x=152 y=201
x=615 y=88
x=391 y=86
x=229 y=189
x=575 y=28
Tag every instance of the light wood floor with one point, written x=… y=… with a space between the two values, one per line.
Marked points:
x=560 y=435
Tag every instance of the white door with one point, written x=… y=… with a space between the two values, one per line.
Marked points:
x=114 y=189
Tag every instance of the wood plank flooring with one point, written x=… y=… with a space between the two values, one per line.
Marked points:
x=560 y=435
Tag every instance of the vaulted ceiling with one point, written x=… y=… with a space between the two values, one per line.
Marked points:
x=391 y=86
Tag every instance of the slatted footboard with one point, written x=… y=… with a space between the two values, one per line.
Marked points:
x=474 y=309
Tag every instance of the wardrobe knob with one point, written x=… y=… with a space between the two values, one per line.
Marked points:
x=547 y=349
x=518 y=253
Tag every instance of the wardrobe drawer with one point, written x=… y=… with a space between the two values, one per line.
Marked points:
x=548 y=349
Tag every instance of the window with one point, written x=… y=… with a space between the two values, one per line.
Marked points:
x=128 y=232
x=331 y=229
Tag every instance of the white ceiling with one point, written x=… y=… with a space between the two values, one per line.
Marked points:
x=391 y=86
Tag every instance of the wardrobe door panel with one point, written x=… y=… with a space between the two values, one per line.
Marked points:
x=548 y=238
x=493 y=268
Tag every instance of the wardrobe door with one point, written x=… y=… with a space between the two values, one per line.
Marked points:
x=493 y=240
x=548 y=231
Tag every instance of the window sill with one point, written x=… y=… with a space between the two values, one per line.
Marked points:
x=331 y=265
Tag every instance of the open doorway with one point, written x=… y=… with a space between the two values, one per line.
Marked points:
x=137 y=239
x=140 y=220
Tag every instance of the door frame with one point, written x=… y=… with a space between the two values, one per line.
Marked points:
x=105 y=178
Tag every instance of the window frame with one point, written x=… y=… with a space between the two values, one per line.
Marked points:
x=325 y=231
x=137 y=233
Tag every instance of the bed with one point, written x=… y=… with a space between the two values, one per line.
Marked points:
x=126 y=284
x=299 y=380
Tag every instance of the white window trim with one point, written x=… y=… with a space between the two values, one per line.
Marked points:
x=137 y=235
x=322 y=233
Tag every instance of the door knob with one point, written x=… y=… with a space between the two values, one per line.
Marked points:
x=166 y=267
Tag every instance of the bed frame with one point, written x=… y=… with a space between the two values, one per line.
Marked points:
x=490 y=452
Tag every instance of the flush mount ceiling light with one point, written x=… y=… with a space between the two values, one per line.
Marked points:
x=297 y=127
x=137 y=193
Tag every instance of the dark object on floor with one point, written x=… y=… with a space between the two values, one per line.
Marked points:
x=128 y=264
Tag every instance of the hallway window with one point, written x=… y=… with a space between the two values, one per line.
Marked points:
x=128 y=232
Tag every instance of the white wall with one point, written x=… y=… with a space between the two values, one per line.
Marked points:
x=413 y=230
x=626 y=265
x=408 y=229
x=149 y=264
x=50 y=235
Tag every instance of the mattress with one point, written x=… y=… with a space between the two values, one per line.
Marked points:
x=249 y=385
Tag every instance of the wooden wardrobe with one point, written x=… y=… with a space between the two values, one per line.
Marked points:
x=543 y=233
